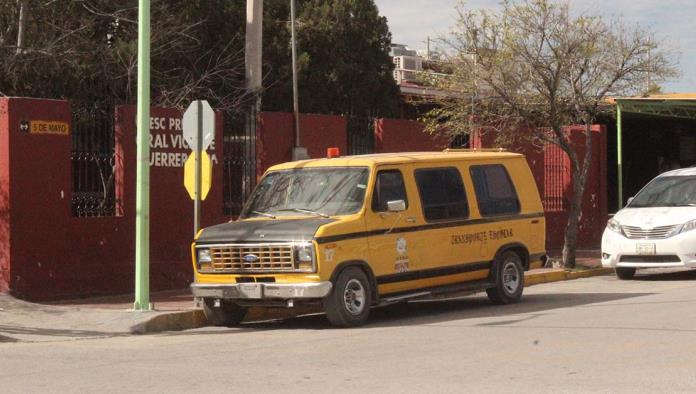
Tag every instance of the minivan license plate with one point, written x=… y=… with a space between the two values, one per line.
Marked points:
x=645 y=249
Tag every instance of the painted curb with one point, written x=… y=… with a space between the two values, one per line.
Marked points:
x=186 y=320
x=535 y=278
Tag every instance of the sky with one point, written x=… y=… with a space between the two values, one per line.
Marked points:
x=674 y=22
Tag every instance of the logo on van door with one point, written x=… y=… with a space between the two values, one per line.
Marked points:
x=401 y=262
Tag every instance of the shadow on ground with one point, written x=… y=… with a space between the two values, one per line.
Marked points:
x=656 y=275
x=7 y=332
x=434 y=312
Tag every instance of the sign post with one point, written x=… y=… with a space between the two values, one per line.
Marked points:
x=142 y=189
x=199 y=131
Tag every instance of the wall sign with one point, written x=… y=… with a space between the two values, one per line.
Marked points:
x=47 y=127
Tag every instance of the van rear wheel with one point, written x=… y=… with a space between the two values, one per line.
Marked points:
x=508 y=276
x=228 y=314
x=348 y=304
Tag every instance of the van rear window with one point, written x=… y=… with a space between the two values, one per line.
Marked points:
x=494 y=190
x=442 y=193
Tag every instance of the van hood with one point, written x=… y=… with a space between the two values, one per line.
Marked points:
x=275 y=230
x=655 y=217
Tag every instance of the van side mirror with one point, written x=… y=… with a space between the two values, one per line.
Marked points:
x=629 y=200
x=396 y=206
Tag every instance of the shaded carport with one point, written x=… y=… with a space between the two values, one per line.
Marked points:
x=653 y=134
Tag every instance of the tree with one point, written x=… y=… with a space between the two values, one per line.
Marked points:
x=534 y=67
x=87 y=50
x=343 y=60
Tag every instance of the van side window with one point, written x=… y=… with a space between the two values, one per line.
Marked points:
x=494 y=190
x=442 y=193
x=389 y=186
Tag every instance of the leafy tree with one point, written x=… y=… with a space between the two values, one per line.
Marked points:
x=87 y=50
x=536 y=66
x=343 y=60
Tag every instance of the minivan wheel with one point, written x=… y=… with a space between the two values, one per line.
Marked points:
x=226 y=315
x=348 y=304
x=625 y=273
x=508 y=276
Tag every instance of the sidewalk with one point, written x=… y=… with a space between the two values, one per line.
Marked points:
x=173 y=310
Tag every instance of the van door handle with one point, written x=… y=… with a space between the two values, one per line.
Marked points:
x=411 y=219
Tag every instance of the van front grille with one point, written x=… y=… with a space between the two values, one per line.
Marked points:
x=252 y=258
x=660 y=232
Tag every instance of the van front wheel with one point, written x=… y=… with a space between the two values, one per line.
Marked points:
x=227 y=314
x=348 y=304
x=508 y=276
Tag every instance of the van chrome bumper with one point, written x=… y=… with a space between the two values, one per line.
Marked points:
x=261 y=290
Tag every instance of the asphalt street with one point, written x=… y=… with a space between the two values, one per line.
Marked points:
x=587 y=335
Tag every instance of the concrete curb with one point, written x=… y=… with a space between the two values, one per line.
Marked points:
x=185 y=320
x=535 y=278
x=175 y=321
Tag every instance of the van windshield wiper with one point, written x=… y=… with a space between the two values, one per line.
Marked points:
x=266 y=214
x=303 y=211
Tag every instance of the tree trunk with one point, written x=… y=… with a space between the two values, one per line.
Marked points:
x=578 y=181
x=22 y=25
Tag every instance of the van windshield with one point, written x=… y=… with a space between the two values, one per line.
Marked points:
x=667 y=191
x=309 y=191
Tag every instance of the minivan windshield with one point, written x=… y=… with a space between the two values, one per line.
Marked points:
x=318 y=192
x=667 y=191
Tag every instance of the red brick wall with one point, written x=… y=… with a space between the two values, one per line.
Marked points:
x=401 y=135
x=54 y=255
x=275 y=136
x=4 y=197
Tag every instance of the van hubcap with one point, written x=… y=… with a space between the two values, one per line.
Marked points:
x=354 y=297
x=511 y=277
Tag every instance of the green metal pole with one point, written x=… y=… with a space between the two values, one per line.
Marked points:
x=619 y=159
x=142 y=193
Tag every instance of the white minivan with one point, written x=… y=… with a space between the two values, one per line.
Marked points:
x=654 y=230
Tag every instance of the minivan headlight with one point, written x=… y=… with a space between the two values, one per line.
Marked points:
x=615 y=226
x=688 y=226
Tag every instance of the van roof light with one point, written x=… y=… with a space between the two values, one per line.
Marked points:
x=333 y=152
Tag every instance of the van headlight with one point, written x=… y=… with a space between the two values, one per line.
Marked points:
x=304 y=257
x=688 y=226
x=615 y=226
x=204 y=255
x=204 y=259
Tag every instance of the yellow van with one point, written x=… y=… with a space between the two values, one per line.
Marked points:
x=349 y=233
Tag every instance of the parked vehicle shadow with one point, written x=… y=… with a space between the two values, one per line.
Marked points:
x=432 y=312
x=660 y=275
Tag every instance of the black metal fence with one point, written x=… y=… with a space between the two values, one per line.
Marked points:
x=239 y=163
x=93 y=161
x=361 y=135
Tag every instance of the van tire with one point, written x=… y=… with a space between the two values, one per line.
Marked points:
x=508 y=276
x=227 y=315
x=625 y=273
x=348 y=304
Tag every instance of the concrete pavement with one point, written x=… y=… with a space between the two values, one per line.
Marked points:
x=174 y=310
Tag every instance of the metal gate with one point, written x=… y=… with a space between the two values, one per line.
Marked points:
x=93 y=161
x=361 y=135
x=556 y=179
x=239 y=163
